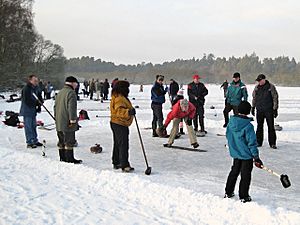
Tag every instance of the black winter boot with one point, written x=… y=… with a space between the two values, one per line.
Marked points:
x=154 y=134
x=62 y=156
x=69 y=154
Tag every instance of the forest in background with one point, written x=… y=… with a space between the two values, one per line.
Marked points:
x=23 y=51
x=280 y=70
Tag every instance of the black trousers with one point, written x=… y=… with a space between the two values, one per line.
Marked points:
x=66 y=140
x=105 y=96
x=120 y=153
x=260 y=118
x=243 y=167
x=91 y=94
x=158 y=117
x=199 y=115
x=227 y=109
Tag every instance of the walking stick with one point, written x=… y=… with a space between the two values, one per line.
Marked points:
x=36 y=97
x=283 y=177
x=148 y=170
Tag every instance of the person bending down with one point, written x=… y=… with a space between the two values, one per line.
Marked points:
x=185 y=110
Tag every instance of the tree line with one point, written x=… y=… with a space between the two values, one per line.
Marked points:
x=281 y=70
x=23 y=51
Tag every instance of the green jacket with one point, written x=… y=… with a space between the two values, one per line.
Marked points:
x=65 y=109
x=235 y=93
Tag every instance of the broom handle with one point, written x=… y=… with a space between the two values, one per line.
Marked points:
x=270 y=171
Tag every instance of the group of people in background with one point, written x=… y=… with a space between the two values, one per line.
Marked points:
x=101 y=88
x=242 y=139
x=46 y=88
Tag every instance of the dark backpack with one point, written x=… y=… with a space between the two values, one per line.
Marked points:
x=11 y=118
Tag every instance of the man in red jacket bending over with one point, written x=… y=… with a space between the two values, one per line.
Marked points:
x=186 y=110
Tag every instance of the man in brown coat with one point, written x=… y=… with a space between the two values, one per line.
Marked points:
x=65 y=111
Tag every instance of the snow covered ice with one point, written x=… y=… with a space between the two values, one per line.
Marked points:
x=184 y=187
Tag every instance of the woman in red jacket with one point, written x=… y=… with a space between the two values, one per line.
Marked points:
x=183 y=109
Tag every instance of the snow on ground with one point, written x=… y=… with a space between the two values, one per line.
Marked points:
x=184 y=187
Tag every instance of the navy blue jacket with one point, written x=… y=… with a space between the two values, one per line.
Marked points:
x=28 y=102
x=158 y=93
x=241 y=138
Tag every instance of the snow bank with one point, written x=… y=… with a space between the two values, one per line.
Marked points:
x=35 y=190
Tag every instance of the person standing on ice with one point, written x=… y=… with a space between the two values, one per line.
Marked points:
x=236 y=92
x=197 y=92
x=243 y=149
x=174 y=88
x=158 y=99
x=265 y=100
x=185 y=110
x=29 y=108
x=122 y=114
x=225 y=87
x=65 y=112
x=105 y=89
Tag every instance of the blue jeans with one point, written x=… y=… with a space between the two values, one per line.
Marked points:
x=30 y=129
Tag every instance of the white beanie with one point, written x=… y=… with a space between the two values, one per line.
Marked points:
x=180 y=92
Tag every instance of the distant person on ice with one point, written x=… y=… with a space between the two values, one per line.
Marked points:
x=158 y=99
x=65 y=112
x=29 y=108
x=185 y=110
x=265 y=100
x=197 y=92
x=105 y=89
x=243 y=149
x=236 y=92
x=225 y=87
x=122 y=114
x=174 y=88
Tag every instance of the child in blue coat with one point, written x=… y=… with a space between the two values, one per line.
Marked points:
x=242 y=144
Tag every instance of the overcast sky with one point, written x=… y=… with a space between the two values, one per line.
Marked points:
x=133 y=31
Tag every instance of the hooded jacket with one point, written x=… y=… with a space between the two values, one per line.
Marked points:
x=236 y=92
x=119 y=110
x=178 y=113
x=241 y=138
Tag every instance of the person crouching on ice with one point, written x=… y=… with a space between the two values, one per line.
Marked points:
x=186 y=110
x=122 y=114
x=243 y=149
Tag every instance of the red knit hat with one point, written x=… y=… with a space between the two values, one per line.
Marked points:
x=196 y=76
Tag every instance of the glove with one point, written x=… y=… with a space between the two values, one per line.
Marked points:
x=73 y=125
x=189 y=122
x=253 y=111
x=38 y=108
x=132 y=112
x=166 y=89
x=275 y=113
x=258 y=163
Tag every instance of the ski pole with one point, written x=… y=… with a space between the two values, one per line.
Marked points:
x=148 y=170
x=36 y=97
x=283 y=177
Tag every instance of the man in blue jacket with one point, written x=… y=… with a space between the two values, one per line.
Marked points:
x=236 y=92
x=29 y=108
x=158 y=99
x=243 y=149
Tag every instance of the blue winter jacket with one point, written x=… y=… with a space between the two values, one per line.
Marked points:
x=158 y=93
x=241 y=138
x=28 y=102
x=235 y=93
